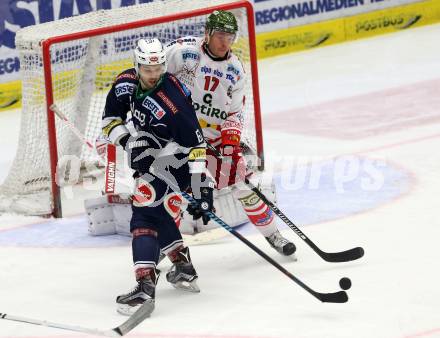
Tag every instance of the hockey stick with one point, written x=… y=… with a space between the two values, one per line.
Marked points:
x=334 y=257
x=111 y=151
x=72 y=127
x=335 y=297
x=110 y=178
x=134 y=320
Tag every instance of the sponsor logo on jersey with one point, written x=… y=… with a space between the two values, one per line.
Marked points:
x=109 y=127
x=210 y=111
x=231 y=78
x=167 y=101
x=154 y=107
x=188 y=54
x=218 y=73
x=159 y=114
x=229 y=92
x=183 y=89
x=126 y=76
x=232 y=124
x=145 y=194
x=197 y=154
x=124 y=88
x=206 y=70
x=172 y=204
x=199 y=136
x=232 y=69
x=188 y=41
x=140 y=116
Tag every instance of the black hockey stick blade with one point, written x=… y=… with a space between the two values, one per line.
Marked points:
x=335 y=297
x=343 y=256
x=333 y=257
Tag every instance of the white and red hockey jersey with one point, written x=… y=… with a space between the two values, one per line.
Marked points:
x=216 y=85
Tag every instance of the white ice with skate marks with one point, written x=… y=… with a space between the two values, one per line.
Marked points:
x=395 y=290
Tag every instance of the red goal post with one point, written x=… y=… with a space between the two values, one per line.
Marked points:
x=72 y=78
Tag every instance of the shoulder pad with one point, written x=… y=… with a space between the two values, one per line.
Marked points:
x=125 y=83
x=128 y=75
x=183 y=89
x=235 y=65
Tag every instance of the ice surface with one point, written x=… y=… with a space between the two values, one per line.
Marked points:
x=352 y=135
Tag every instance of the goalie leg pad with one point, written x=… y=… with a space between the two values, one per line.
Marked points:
x=227 y=207
x=109 y=214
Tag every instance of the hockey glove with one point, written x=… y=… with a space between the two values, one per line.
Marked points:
x=202 y=189
x=139 y=153
x=232 y=168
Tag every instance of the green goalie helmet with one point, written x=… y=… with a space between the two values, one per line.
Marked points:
x=222 y=21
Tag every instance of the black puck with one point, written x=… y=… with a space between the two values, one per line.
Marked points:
x=345 y=283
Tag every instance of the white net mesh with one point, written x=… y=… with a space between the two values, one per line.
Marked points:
x=82 y=73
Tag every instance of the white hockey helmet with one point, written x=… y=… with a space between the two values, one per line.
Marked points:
x=149 y=52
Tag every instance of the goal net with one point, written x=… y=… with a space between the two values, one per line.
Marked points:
x=73 y=62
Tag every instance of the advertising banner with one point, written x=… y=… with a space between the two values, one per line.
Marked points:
x=354 y=27
x=282 y=25
x=270 y=15
x=16 y=14
x=273 y=15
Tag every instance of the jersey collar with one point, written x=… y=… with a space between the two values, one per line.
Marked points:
x=140 y=93
x=211 y=56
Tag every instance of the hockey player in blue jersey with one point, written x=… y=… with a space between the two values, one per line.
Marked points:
x=168 y=153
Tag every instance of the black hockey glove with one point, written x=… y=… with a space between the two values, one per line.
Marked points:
x=202 y=190
x=139 y=157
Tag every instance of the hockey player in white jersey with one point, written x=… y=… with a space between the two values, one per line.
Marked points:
x=216 y=79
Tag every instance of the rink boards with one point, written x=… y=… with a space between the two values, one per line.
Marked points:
x=348 y=28
x=310 y=35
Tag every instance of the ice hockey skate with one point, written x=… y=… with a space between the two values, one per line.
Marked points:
x=182 y=274
x=143 y=292
x=281 y=244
